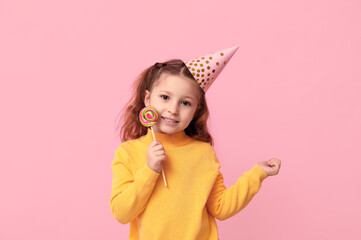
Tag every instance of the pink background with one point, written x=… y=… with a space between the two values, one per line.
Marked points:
x=293 y=89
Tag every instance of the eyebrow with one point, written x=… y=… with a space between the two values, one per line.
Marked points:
x=166 y=92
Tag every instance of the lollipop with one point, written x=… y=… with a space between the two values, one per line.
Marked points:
x=148 y=116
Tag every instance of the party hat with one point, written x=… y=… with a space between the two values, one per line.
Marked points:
x=206 y=69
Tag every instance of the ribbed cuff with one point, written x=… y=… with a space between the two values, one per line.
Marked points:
x=146 y=175
x=257 y=170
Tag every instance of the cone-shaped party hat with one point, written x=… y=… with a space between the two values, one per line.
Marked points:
x=206 y=69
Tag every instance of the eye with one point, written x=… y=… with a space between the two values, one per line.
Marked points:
x=165 y=97
x=186 y=103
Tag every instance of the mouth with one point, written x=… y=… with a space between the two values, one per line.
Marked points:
x=169 y=120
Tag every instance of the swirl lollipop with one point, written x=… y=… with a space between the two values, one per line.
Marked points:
x=148 y=117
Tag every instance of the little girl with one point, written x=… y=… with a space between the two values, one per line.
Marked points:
x=195 y=195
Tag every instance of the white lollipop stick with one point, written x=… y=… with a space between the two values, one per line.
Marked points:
x=165 y=181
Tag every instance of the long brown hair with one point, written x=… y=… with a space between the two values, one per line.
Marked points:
x=132 y=128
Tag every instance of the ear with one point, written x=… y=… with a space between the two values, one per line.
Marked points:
x=147 y=98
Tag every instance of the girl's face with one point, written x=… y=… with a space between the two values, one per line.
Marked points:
x=176 y=100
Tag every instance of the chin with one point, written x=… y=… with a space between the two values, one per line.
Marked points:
x=169 y=131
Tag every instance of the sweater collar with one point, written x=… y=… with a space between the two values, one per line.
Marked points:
x=170 y=140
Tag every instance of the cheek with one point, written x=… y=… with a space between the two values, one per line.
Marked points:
x=153 y=100
x=156 y=103
x=192 y=113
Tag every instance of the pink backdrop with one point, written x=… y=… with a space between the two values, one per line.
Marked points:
x=293 y=89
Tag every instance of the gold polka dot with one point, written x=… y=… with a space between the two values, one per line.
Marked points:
x=212 y=78
x=193 y=69
x=210 y=58
x=192 y=60
x=222 y=54
x=207 y=61
x=202 y=75
x=195 y=64
x=217 y=63
x=189 y=67
x=208 y=67
x=201 y=65
x=213 y=71
x=193 y=74
x=197 y=74
x=202 y=57
x=198 y=70
x=202 y=70
x=202 y=80
x=207 y=79
x=198 y=60
x=208 y=74
x=191 y=64
x=225 y=62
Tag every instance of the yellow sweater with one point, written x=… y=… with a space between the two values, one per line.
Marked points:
x=195 y=196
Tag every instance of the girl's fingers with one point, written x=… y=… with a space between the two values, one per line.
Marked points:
x=157 y=147
x=274 y=165
x=271 y=164
x=274 y=162
x=160 y=158
x=159 y=152
x=155 y=142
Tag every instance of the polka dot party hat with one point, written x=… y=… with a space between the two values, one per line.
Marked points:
x=206 y=69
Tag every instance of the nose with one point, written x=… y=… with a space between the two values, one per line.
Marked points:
x=173 y=108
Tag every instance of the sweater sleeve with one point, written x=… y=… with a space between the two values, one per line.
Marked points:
x=129 y=193
x=223 y=203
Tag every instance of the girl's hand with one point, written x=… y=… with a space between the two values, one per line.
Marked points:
x=156 y=156
x=271 y=167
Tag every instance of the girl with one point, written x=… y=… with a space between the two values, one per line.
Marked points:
x=195 y=194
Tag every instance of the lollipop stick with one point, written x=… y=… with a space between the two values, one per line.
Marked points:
x=165 y=182
x=152 y=133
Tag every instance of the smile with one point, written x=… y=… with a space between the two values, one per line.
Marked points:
x=169 y=120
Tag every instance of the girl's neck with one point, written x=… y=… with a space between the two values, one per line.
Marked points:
x=171 y=140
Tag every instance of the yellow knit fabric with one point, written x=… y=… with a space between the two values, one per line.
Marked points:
x=195 y=196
